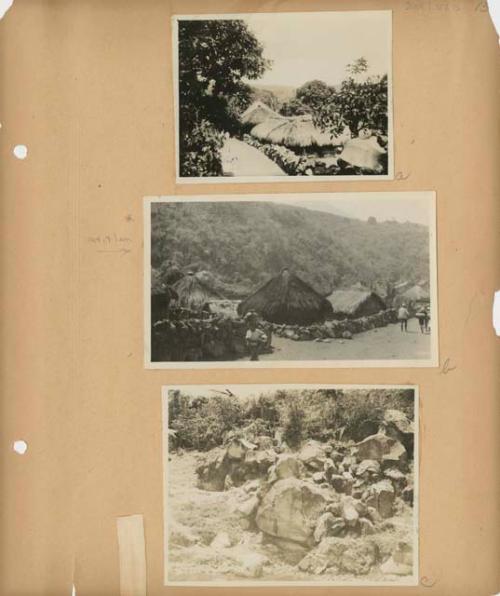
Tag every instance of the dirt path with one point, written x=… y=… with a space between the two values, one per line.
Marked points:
x=239 y=159
x=384 y=343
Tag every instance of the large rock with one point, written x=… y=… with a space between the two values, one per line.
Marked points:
x=287 y=466
x=381 y=497
x=313 y=455
x=368 y=468
x=381 y=448
x=257 y=463
x=348 y=555
x=291 y=510
x=398 y=426
x=213 y=470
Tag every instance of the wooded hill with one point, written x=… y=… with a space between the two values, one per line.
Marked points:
x=243 y=244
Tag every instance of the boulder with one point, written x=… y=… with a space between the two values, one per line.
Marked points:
x=325 y=522
x=313 y=455
x=287 y=466
x=381 y=497
x=257 y=463
x=348 y=555
x=319 y=477
x=346 y=335
x=380 y=447
x=248 y=507
x=368 y=468
x=213 y=470
x=342 y=484
x=398 y=426
x=291 y=510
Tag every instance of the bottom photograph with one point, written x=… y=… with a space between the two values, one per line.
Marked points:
x=290 y=485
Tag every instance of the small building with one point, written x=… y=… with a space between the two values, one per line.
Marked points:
x=353 y=304
x=194 y=294
x=287 y=299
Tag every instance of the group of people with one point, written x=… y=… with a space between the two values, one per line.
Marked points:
x=423 y=316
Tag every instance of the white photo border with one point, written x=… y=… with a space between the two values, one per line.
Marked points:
x=262 y=179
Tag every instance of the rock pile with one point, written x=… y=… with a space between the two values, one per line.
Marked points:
x=342 y=329
x=330 y=503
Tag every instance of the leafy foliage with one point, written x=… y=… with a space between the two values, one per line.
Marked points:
x=358 y=102
x=244 y=244
x=202 y=423
x=214 y=57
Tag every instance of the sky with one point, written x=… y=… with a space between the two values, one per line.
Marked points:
x=401 y=207
x=307 y=46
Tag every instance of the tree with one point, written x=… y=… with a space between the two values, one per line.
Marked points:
x=357 y=103
x=214 y=57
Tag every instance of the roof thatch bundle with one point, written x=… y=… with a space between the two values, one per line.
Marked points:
x=416 y=294
x=193 y=293
x=293 y=131
x=257 y=113
x=352 y=304
x=287 y=299
x=363 y=153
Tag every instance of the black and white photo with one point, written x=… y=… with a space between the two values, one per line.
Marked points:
x=265 y=96
x=290 y=485
x=324 y=279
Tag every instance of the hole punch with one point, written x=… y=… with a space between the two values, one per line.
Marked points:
x=21 y=151
x=20 y=447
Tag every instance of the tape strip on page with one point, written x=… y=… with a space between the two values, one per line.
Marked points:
x=132 y=552
x=496 y=313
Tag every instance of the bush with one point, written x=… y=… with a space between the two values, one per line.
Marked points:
x=200 y=151
x=293 y=431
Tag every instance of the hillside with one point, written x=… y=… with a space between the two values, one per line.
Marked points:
x=243 y=244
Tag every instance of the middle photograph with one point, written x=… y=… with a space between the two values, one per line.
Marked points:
x=330 y=280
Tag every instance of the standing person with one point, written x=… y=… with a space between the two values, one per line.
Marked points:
x=403 y=316
x=427 y=318
x=255 y=337
x=421 y=316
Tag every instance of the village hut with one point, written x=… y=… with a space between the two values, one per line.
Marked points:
x=364 y=153
x=293 y=131
x=257 y=113
x=162 y=296
x=287 y=299
x=353 y=304
x=416 y=294
x=193 y=293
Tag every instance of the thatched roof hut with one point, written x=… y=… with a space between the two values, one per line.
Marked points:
x=352 y=304
x=257 y=113
x=293 y=131
x=416 y=294
x=287 y=299
x=194 y=293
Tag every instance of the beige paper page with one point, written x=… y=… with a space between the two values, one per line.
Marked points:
x=87 y=87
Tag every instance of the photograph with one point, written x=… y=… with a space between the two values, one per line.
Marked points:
x=332 y=280
x=290 y=485
x=263 y=96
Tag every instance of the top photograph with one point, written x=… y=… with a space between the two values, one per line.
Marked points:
x=264 y=96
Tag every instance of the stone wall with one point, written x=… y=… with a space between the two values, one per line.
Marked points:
x=219 y=338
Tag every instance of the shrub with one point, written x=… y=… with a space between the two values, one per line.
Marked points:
x=200 y=150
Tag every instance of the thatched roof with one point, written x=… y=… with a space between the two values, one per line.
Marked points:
x=354 y=303
x=293 y=131
x=363 y=153
x=416 y=293
x=257 y=113
x=193 y=293
x=287 y=299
